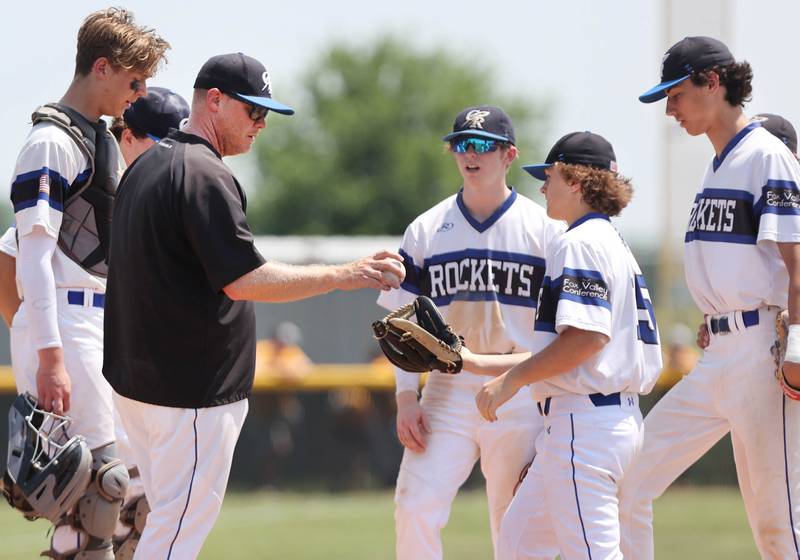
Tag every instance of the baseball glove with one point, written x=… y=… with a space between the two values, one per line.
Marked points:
x=427 y=345
x=779 y=353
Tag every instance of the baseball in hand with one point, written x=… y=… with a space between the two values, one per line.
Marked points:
x=391 y=279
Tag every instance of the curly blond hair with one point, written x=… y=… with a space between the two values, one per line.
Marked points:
x=113 y=34
x=605 y=191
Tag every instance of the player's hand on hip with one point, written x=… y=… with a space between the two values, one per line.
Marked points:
x=703 y=338
x=53 y=385
x=493 y=395
x=413 y=428
x=383 y=271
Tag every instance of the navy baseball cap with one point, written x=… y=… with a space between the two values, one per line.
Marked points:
x=157 y=112
x=483 y=121
x=581 y=148
x=780 y=127
x=691 y=54
x=241 y=77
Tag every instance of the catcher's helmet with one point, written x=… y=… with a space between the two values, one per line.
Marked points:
x=47 y=472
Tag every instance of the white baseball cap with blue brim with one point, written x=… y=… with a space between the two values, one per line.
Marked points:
x=243 y=78
x=687 y=56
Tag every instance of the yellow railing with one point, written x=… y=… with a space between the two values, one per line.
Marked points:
x=321 y=377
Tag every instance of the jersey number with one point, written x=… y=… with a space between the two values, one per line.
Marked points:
x=647 y=330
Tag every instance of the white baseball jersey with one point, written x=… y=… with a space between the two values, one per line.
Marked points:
x=748 y=201
x=48 y=165
x=593 y=283
x=485 y=276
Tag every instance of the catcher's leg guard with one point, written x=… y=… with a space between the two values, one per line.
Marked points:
x=97 y=512
x=134 y=516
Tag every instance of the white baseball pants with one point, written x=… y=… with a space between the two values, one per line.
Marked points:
x=428 y=481
x=568 y=502
x=733 y=388
x=184 y=457
x=81 y=329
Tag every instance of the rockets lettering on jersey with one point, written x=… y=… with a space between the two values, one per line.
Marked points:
x=747 y=203
x=484 y=275
x=475 y=275
x=731 y=216
x=722 y=215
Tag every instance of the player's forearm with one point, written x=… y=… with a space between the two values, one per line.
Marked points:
x=568 y=351
x=275 y=282
x=35 y=270
x=791 y=258
x=491 y=364
x=791 y=367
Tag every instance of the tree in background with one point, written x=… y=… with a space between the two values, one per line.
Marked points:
x=363 y=154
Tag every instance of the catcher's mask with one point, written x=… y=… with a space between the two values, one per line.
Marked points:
x=47 y=471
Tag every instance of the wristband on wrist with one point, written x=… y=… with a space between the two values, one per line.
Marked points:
x=793 y=345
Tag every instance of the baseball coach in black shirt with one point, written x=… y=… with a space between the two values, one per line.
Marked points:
x=179 y=319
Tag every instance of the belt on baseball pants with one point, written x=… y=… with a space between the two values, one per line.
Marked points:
x=575 y=403
x=86 y=298
x=735 y=321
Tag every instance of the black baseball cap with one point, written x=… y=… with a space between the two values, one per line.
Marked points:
x=157 y=112
x=691 y=54
x=581 y=148
x=241 y=77
x=780 y=127
x=483 y=121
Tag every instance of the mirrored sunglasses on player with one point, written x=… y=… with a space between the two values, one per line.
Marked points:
x=480 y=145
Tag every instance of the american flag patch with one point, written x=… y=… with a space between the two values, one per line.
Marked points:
x=44 y=184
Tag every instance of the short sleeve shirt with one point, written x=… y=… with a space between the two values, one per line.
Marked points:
x=48 y=167
x=594 y=283
x=179 y=236
x=485 y=276
x=748 y=202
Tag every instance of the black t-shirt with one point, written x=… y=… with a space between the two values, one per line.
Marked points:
x=179 y=236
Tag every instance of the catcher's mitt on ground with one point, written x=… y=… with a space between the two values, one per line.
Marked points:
x=427 y=345
x=779 y=353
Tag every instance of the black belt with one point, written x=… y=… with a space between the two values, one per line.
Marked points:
x=722 y=325
x=598 y=399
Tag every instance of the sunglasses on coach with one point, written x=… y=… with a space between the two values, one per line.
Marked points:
x=480 y=145
x=257 y=113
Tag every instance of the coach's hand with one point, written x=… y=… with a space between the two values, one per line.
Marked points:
x=412 y=423
x=53 y=385
x=383 y=271
x=494 y=394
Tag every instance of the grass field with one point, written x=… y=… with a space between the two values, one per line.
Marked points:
x=691 y=523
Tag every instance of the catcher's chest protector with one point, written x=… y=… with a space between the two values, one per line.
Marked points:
x=88 y=204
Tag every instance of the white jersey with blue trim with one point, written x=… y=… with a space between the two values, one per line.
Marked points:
x=48 y=165
x=749 y=200
x=594 y=283
x=485 y=276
